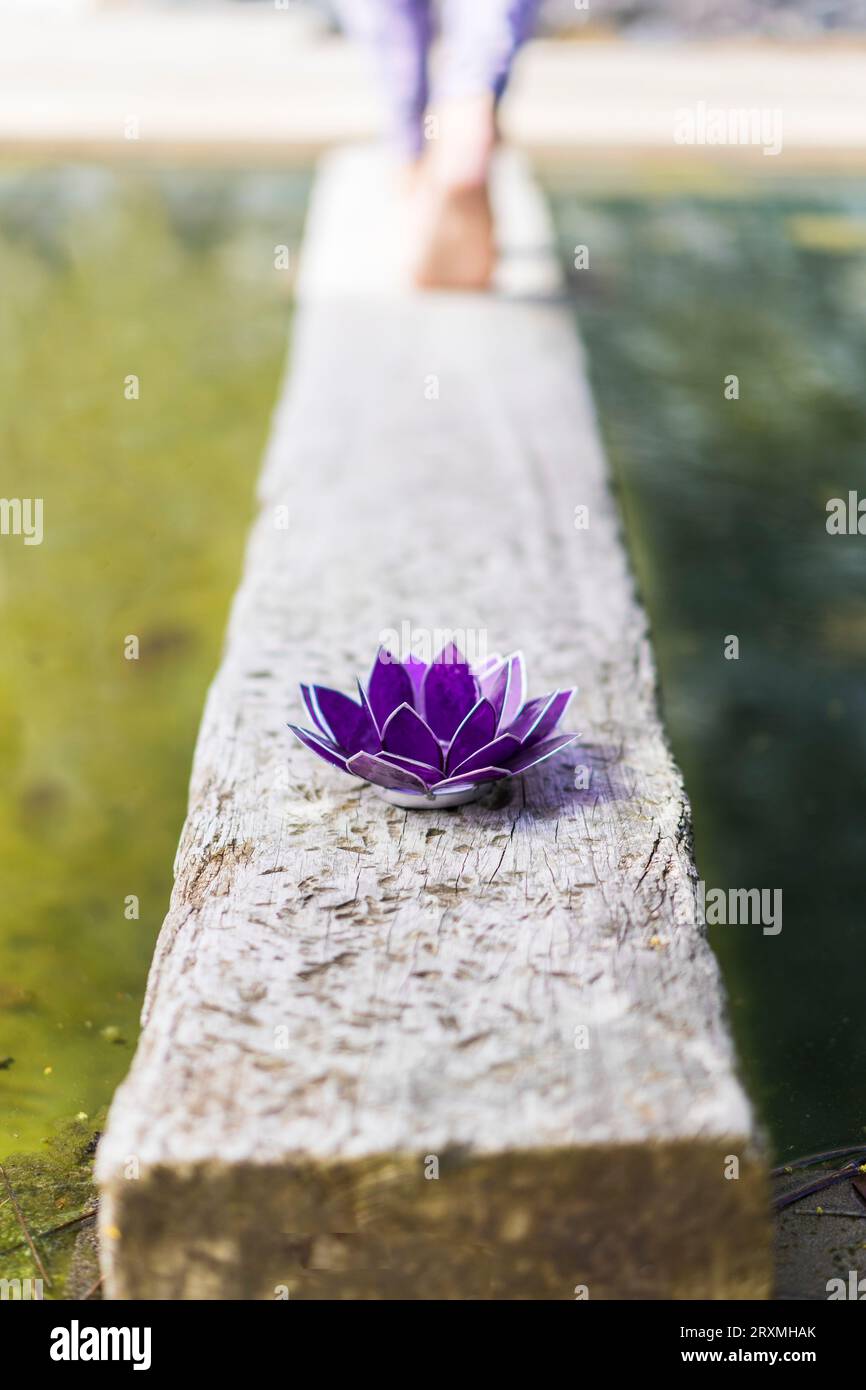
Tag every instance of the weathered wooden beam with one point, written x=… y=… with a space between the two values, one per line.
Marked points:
x=346 y=995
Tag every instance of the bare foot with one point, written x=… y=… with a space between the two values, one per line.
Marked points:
x=452 y=225
x=454 y=248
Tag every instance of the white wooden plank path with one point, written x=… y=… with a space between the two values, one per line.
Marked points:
x=270 y=82
x=344 y=992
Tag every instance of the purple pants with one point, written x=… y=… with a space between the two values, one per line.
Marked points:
x=480 y=39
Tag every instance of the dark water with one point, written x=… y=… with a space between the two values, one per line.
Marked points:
x=725 y=509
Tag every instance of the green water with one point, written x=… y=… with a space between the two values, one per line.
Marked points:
x=725 y=510
x=169 y=277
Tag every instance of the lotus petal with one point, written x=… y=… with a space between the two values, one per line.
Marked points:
x=362 y=696
x=350 y=725
x=481 y=774
x=325 y=749
x=494 y=688
x=389 y=686
x=496 y=754
x=505 y=688
x=550 y=717
x=427 y=773
x=515 y=695
x=307 y=696
x=522 y=726
x=475 y=732
x=450 y=691
x=482 y=669
x=528 y=757
x=406 y=733
x=416 y=671
x=383 y=774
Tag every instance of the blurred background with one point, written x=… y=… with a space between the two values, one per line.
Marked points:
x=152 y=157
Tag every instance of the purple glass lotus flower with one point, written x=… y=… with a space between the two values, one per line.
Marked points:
x=435 y=734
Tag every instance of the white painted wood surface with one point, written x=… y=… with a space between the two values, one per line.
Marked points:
x=343 y=991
